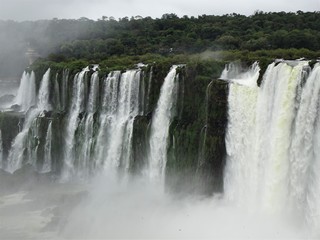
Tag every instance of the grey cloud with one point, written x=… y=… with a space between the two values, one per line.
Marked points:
x=39 y=9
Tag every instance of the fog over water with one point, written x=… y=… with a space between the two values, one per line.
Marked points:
x=8 y=86
x=109 y=207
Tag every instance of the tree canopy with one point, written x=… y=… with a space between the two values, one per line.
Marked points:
x=62 y=39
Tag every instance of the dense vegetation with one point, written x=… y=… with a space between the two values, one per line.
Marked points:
x=191 y=35
x=90 y=40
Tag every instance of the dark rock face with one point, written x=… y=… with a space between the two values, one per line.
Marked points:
x=214 y=149
x=197 y=150
x=10 y=125
x=140 y=143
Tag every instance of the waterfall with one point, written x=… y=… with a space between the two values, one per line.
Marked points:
x=85 y=153
x=236 y=74
x=313 y=188
x=240 y=133
x=120 y=105
x=304 y=179
x=161 y=120
x=26 y=96
x=43 y=97
x=118 y=148
x=47 y=162
x=21 y=150
x=272 y=141
x=275 y=118
x=108 y=109
x=93 y=93
x=111 y=146
x=17 y=152
x=77 y=106
x=33 y=142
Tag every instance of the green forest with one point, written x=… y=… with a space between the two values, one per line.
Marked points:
x=227 y=37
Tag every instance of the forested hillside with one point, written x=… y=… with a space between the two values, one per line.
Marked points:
x=98 y=40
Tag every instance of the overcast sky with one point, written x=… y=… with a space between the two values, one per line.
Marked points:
x=47 y=9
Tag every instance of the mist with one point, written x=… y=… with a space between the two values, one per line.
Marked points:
x=111 y=206
x=139 y=209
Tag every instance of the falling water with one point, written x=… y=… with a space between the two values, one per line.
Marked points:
x=240 y=134
x=26 y=96
x=236 y=74
x=161 y=120
x=47 y=162
x=120 y=104
x=18 y=155
x=43 y=97
x=85 y=154
x=93 y=93
x=108 y=109
x=304 y=152
x=77 y=106
x=313 y=189
x=121 y=123
x=273 y=142
x=33 y=142
x=275 y=116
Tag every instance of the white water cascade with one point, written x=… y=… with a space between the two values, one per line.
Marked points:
x=240 y=135
x=17 y=154
x=47 y=161
x=304 y=179
x=88 y=124
x=26 y=96
x=111 y=146
x=121 y=106
x=273 y=142
x=77 y=106
x=164 y=112
x=43 y=97
x=108 y=109
x=119 y=150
